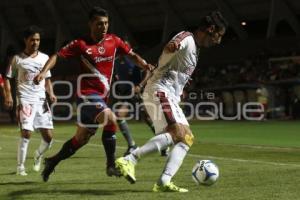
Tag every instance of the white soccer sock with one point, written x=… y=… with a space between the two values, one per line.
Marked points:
x=44 y=146
x=22 y=151
x=156 y=143
x=174 y=162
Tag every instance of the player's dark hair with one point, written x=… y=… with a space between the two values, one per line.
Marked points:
x=30 y=30
x=97 y=11
x=216 y=19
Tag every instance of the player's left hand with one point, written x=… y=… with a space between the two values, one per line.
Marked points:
x=53 y=98
x=39 y=78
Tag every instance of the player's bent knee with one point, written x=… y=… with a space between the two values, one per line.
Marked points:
x=105 y=117
x=188 y=137
x=181 y=133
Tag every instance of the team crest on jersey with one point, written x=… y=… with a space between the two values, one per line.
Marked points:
x=101 y=50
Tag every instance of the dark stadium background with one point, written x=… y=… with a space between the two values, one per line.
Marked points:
x=260 y=49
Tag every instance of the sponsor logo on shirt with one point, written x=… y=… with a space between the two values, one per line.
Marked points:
x=103 y=59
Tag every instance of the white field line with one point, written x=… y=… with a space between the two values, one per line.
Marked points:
x=190 y=155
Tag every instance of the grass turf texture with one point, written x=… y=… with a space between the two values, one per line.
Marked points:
x=257 y=160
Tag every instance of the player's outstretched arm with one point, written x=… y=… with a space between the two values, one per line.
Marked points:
x=139 y=61
x=49 y=65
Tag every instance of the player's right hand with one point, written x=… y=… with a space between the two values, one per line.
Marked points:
x=172 y=46
x=38 y=78
x=8 y=102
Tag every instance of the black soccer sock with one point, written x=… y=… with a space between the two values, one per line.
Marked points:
x=66 y=151
x=126 y=132
x=109 y=143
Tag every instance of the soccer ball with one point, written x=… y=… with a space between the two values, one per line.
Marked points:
x=205 y=172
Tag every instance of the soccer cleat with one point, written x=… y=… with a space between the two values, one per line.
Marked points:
x=130 y=149
x=21 y=171
x=126 y=168
x=170 y=187
x=37 y=163
x=112 y=171
x=49 y=168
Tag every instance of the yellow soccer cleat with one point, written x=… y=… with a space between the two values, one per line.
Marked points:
x=170 y=187
x=126 y=168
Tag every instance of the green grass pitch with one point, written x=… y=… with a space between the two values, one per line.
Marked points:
x=257 y=161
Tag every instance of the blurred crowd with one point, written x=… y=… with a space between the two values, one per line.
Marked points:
x=258 y=69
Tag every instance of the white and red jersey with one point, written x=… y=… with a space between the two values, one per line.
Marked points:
x=175 y=69
x=101 y=55
x=24 y=68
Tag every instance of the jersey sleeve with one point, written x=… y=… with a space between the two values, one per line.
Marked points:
x=70 y=50
x=48 y=74
x=12 y=68
x=123 y=47
x=182 y=38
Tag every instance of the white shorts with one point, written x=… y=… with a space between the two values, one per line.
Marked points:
x=34 y=116
x=163 y=110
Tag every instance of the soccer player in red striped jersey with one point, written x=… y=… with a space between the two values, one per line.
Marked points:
x=97 y=52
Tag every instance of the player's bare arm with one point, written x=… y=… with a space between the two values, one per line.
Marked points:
x=138 y=88
x=8 y=100
x=139 y=61
x=49 y=90
x=49 y=65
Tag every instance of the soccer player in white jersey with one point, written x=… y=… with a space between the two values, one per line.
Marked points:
x=161 y=98
x=33 y=109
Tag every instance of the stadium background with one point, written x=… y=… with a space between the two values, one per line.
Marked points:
x=258 y=61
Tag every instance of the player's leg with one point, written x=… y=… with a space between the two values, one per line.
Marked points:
x=109 y=144
x=108 y=119
x=123 y=126
x=22 y=152
x=147 y=119
x=26 y=113
x=43 y=122
x=156 y=143
x=183 y=138
x=68 y=149
x=46 y=143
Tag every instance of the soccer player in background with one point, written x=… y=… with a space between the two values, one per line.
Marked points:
x=123 y=72
x=97 y=53
x=33 y=109
x=162 y=96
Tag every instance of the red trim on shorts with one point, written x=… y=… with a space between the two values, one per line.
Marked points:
x=166 y=107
